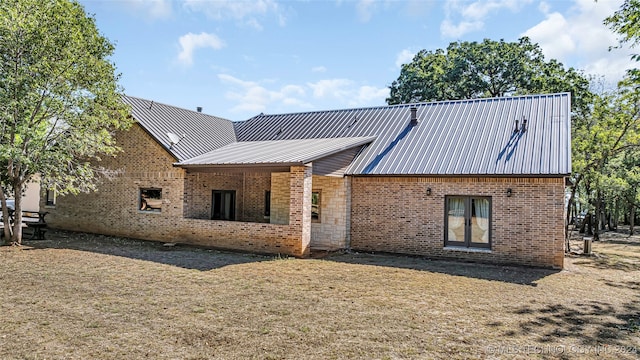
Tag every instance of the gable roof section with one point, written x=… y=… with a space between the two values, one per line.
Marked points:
x=464 y=138
x=203 y=132
x=275 y=152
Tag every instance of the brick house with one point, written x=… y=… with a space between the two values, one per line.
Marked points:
x=479 y=180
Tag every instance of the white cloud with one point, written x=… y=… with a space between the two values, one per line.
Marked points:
x=246 y=12
x=154 y=9
x=470 y=16
x=404 y=57
x=252 y=97
x=190 y=42
x=318 y=69
x=368 y=95
x=579 y=38
x=338 y=88
x=365 y=9
x=449 y=29
x=544 y=7
x=554 y=36
x=351 y=95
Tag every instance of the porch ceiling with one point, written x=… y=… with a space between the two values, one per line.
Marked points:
x=274 y=152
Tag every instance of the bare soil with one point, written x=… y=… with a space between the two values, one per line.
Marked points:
x=82 y=296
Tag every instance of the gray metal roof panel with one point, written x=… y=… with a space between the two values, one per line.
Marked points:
x=298 y=151
x=203 y=132
x=465 y=137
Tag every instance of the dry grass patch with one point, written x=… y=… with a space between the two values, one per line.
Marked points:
x=83 y=296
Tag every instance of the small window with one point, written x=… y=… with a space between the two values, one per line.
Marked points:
x=50 y=199
x=315 y=206
x=150 y=200
x=267 y=203
x=468 y=221
x=223 y=205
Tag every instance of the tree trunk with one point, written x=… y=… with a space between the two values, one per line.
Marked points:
x=587 y=225
x=632 y=218
x=615 y=216
x=5 y=218
x=570 y=207
x=16 y=237
x=596 y=218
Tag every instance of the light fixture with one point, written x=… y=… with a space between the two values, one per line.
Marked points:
x=428 y=191
x=509 y=192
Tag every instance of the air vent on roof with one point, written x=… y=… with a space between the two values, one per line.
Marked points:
x=524 y=125
x=174 y=139
x=414 y=116
x=199 y=108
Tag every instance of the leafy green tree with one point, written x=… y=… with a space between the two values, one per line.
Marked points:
x=626 y=22
x=612 y=130
x=622 y=188
x=467 y=70
x=59 y=100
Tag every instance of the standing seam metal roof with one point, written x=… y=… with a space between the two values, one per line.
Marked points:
x=203 y=132
x=298 y=151
x=459 y=138
x=465 y=137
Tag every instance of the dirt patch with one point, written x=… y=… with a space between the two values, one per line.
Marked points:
x=79 y=296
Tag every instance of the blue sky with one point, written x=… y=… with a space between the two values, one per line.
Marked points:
x=237 y=59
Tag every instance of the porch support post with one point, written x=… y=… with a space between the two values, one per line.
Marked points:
x=300 y=205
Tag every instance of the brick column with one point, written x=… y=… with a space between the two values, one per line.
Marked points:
x=300 y=204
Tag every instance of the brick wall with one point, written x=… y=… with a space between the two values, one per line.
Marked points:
x=249 y=187
x=255 y=186
x=394 y=214
x=330 y=233
x=300 y=180
x=280 y=198
x=113 y=209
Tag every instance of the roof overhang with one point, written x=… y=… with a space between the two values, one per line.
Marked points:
x=271 y=154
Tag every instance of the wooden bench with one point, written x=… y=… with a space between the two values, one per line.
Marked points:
x=30 y=219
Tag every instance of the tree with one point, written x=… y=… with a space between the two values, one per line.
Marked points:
x=611 y=131
x=59 y=100
x=626 y=22
x=467 y=70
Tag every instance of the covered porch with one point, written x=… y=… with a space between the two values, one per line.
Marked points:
x=295 y=199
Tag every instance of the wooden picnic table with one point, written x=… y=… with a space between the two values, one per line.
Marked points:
x=34 y=220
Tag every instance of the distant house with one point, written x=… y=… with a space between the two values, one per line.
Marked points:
x=479 y=180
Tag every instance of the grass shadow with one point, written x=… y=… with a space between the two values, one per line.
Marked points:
x=511 y=274
x=588 y=323
x=611 y=262
x=184 y=256
x=618 y=241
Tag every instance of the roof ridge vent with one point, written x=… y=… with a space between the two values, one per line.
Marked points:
x=414 y=115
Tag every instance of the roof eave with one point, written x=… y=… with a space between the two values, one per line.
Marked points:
x=236 y=166
x=365 y=141
x=463 y=175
